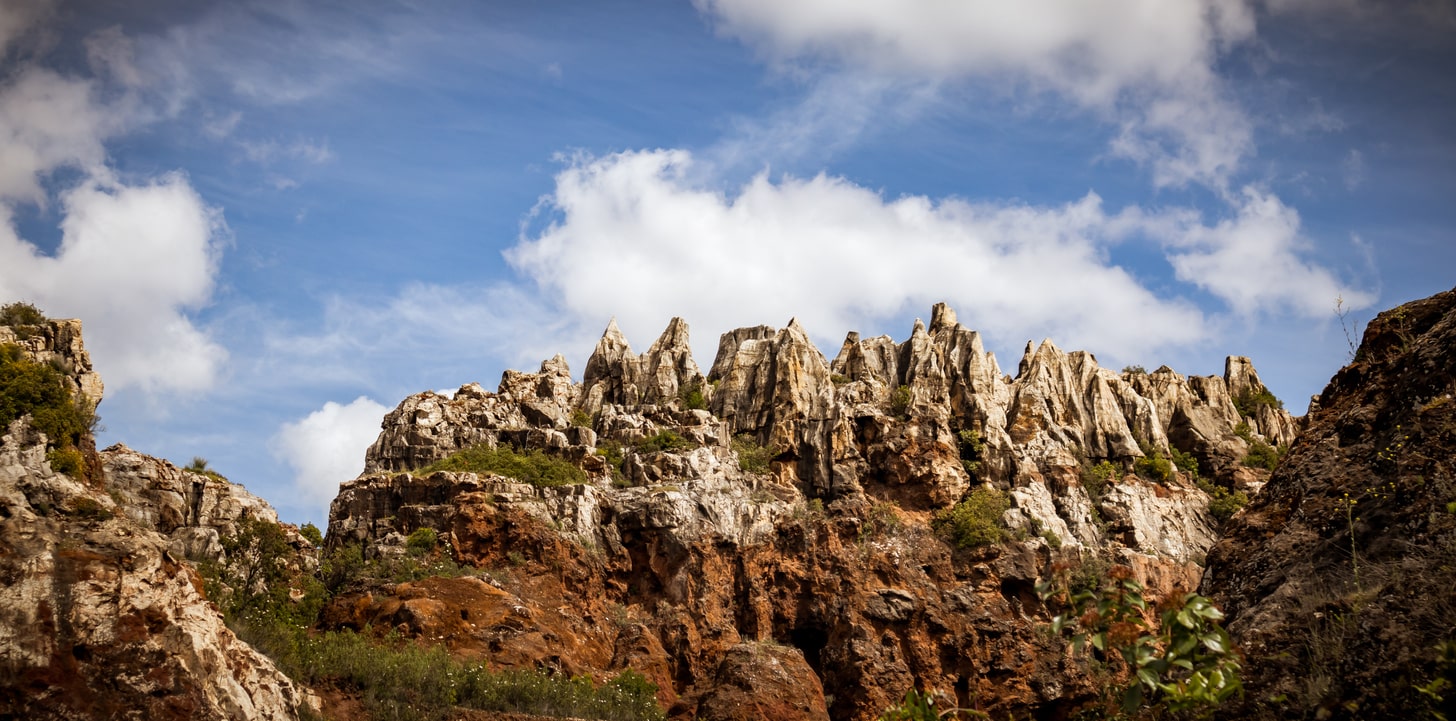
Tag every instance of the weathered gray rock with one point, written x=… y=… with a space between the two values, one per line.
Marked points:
x=59 y=343
x=100 y=621
x=192 y=510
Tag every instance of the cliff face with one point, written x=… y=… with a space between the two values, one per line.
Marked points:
x=783 y=501
x=1337 y=580
x=101 y=617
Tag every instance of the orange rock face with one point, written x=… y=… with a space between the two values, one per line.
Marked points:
x=809 y=584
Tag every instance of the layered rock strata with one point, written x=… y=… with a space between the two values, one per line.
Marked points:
x=681 y=550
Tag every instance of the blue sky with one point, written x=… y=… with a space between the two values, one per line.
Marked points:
x=277 y=219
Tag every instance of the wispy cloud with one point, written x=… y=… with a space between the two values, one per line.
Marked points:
x=1148 y=69
x=1352 y=168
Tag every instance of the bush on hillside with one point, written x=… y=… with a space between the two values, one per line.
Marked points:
x=975 y=521
x=40 y=391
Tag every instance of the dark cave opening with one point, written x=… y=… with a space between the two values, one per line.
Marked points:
x=811 y=641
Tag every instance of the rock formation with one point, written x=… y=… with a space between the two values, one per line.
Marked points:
x=101 y=618
x=1337 y=579
x=706 y=571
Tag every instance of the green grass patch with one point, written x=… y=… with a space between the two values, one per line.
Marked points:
x=534 y=467
x=398 y=679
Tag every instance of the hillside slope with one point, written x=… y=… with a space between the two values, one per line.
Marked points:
x=1339 y=580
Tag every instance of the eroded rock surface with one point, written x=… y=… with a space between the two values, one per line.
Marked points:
x=101 y=616
x=193 y=510
x=100 y=621
x=785 y=500
x=1337 y=580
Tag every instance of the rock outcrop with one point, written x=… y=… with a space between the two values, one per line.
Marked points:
x=100 y=620
x=59 y=343
x=784 y=500
x=192 y=510
x=101 y=617
x=1337 y=579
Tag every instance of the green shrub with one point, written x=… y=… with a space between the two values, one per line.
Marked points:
x=883 y=519
x=200 y=466
x=421 y=541
x=975 y=521
x=1262 y=455
x=1134 y=370
x=1185 y=462
x=1250 y=401
x=534 y=467
x=900 y=401
x=1186 y=663
x=1224 y=503
x=312 y=534
x=1095 y=479
x=68 y=461
x=838 y=379
x=1242 y=430
x=21 y=313
x=89 y=509
x=23 y=318
x=1154 y=467
x=581 y=419
x=922 y=707
x=692 y=397
x=612 y=452
x=37 y=389
x=1053 y=540
x=971 y=448
x=664 y=441
x=752 y=457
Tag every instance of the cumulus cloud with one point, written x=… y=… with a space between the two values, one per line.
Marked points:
x=134 y=257
x=132 y=260
x=635 y=240
x=1149 y=67
x=1252 y=261
x=632 y=236
x=326 y=447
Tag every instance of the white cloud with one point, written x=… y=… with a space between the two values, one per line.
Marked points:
x=132 y=260
x=1353 y=169
x=48 y=121
x=268 y=151
x=1253 y=261
x=326 y=447
x=635 y=240
x=1149 y=67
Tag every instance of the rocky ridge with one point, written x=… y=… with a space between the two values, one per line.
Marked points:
x=102 y=617
x=677 y=555
x=1337 y=579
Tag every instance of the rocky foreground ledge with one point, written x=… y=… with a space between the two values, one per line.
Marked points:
x=762 y=534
